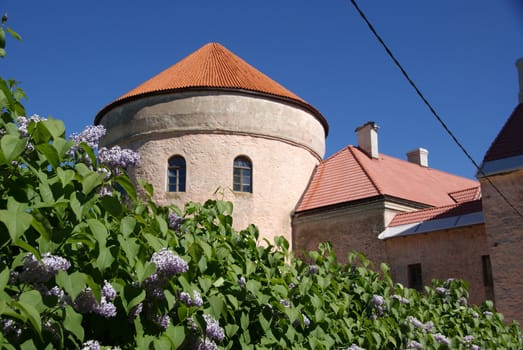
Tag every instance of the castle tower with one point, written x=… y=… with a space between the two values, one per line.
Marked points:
x=211 y=126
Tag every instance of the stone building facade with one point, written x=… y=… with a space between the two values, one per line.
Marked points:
x=214 y=126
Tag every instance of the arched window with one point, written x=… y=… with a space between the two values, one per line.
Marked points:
x=242 y=175
x=176 y=174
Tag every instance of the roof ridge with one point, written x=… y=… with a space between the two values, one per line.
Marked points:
x=365 y=170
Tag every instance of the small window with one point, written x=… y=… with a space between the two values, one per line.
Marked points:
x=176 y=174
x=415 y=278
x=242 y=175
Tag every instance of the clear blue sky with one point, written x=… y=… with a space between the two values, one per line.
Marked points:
x=78 y=56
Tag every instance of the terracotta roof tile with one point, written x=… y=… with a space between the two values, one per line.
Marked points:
x=436 y=213
x=468 y=194
x=509 y=142
x=351 y=175
x=213 y=67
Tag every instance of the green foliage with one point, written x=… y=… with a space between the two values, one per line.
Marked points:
x=78 y=266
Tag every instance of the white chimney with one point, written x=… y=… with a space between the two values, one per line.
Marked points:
x=519 y=65
x=368 y=139
x=419 y=156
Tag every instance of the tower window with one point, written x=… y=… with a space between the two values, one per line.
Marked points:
x=242 y=175
x=176 y=174
x=415 y=277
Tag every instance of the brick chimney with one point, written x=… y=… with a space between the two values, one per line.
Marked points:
x=519 y=65
x=419 y=156
x=368 y=139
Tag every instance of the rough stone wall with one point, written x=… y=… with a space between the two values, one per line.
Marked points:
x=455 y=253
x=350 y=228
x=504 y=229
x=209 y=130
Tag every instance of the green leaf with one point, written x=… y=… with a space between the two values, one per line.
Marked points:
x=73 y=283
x=65 y=176
x=112 y=205
x=15 y=218
x=216 y=302
x=31 y=314
x=73 y=322
x=2 y=38
x=12 y=147
x=105 y=258
x=50 y=154
x=177 y=336
x=127 y=225
x=130 y=248
x=98 y=230
x=135 y=301
x=14 y=34
x=127 y=185
x=91 y=181
x=4 y=278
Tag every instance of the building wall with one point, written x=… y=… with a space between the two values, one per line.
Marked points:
x=442 y=255
x=284 y=143
x=504 y=229
x=350 y=228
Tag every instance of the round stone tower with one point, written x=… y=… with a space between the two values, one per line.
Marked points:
x=212 y=126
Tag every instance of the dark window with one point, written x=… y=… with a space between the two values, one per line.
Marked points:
x=415 y=278
x=487 y=271
x=242 y=175
x=176 y=174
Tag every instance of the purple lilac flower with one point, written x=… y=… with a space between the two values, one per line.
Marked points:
x=49 y=327
x=354 y=347
x=487 y=313
x=463 y=301
x=412 y=344
x=213 y=329
x=91 y=135
x=377 y=300
x=86 y=303
x=291 y=285
x=175 y=221
x=35 y=271
x=401 y=299
x=442 y=291
x=206 y=344
x=168 y=264
x=137 y=310
x=475 y=347
x=117 y=157
x=418 y=324
x=108 y=291
x=313 y=269
x=91 y=345
x=440 y=338
x=24 y=122
x=63 y=299
x=468 y=339
x=11 y=328
x=242 y=282
x=192 y=324
x=105 y=191
x=285 y=303
x=195 y=300
x=474 y=314
x=306 y=321
x=162 y=321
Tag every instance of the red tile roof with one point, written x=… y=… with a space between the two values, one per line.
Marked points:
x=351 y=175
x=468 y=194
x=213 y=67
x=436 y=213
x=509 y=142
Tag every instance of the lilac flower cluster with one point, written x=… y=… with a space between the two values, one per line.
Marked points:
x=137 y=310
x=313 y=269
x=285 y=303
x=206 y=344
x=425 y=327
x=378 y=304
x=91 y=135
x=11 y=328
x=162 y=321
x=242 y=282
x=213 y=329
x=35 y=271
x=86 y=302
x=116 y=157
x=442 y=291
x=440 y=338
x=91 y=345
x=167 y=265
x=467 y=339
x=306 y=321
x=354 y=347
x=401 y=299
x=24 y=122
x=195 y=300
x=175 y=221
x=412 y=345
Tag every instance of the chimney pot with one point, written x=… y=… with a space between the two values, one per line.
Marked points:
x=519 y=66
x=368 y=139
x=419 y=156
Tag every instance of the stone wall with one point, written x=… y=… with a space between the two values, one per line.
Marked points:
x=455 y=253
x=504 y=229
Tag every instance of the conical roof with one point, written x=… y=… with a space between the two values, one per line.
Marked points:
x=216 y=68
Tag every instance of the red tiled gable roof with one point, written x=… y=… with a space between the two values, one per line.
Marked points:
x=509 y=142
x=351 y=175
x=213 y=67
x=468 y=194
x=437 y=213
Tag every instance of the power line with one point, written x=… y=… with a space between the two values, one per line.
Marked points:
x=432 y=110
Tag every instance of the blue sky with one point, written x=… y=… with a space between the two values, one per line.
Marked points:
x=78 y=56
